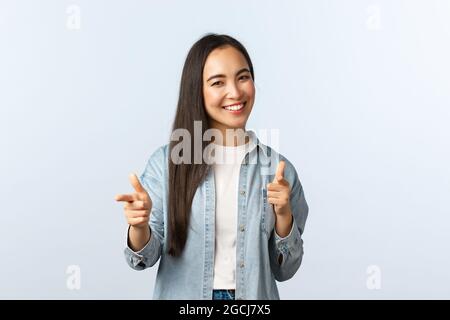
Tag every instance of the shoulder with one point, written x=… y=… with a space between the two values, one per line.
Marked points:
x=157 y=162
x=160 y=153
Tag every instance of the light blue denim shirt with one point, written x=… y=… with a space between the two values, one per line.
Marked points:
x=258 y=246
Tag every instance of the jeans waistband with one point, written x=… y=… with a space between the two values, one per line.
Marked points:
x=224 y=294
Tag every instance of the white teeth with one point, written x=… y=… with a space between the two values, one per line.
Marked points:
x=236 y=107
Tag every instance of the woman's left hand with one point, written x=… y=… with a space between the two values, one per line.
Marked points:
x=279 y=191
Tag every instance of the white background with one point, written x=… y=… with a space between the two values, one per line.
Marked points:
x=358 y=89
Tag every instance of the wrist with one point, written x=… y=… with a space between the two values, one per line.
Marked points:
x=283 y=224
x=139 y=227
x=283 y=212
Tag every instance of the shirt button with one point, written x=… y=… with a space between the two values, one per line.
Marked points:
x=243 y=192
x=242 y=265
x=242 y=228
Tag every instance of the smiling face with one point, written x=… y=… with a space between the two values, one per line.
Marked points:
x=228 y=89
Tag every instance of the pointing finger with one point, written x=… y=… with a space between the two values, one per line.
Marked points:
x=279 y=175
x=136 y=184
x=136 y=205
x=126 y=197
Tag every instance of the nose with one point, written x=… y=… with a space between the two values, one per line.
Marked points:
x=234 y=92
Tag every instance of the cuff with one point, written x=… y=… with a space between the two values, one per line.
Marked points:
x=284 y=245
x=139 y=259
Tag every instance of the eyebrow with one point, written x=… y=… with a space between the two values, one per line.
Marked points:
x=223 y=76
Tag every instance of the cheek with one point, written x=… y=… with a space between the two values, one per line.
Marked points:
x=212 y=98
x=249 y=89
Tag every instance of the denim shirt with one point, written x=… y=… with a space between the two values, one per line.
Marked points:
x=259 y=249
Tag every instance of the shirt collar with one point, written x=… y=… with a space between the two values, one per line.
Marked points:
x=257 y=142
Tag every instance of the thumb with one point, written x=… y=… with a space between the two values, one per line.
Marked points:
x=136 y=184
x=279 y=175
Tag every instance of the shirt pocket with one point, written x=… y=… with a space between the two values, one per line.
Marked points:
x=267 y=214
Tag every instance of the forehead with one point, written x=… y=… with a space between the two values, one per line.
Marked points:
x=224 y=60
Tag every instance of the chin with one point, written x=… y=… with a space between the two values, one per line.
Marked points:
x=236 y=125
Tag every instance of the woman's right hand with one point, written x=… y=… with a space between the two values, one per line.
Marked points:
x=138 y=205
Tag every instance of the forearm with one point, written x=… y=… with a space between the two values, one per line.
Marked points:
x=283 y=224
x=138 y=237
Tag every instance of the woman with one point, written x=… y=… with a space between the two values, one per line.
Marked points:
x=222 y=225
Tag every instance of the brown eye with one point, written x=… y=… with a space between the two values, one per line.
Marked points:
x=216 y=83
x=244 y=78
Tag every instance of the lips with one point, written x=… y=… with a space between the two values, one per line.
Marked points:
x=235 y=107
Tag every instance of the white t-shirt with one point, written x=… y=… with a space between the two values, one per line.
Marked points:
x=226 y=175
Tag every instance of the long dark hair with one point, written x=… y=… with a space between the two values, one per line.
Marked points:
x=184 y=178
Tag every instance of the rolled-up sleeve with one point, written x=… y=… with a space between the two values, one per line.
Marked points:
x=144 y=258
x=152 y=181
x=286 y=253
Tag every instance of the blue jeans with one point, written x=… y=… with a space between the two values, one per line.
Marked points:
x=226 y=294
